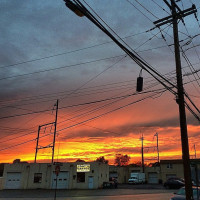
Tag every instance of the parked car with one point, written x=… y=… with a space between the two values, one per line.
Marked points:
x=174 y=183
x=111 y=184
x=108 y=185
x=180 y=195
x=114 y=182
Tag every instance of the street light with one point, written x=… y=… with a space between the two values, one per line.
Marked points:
x=74 y=8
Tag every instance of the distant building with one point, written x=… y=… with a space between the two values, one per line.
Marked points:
x=157 y=173
x=1 y=175
x=123 y=173
x=174 y=168
x=78 y=175
x=152 y=174
x=119 y=172
x=85 y=175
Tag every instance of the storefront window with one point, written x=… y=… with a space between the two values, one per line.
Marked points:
x=37 y=178
x=80 y=177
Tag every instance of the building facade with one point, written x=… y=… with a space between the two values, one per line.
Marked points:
x=86 y=175
x=174 y=168
x=158 y=173
x=79 y=175
x=123 y=173
x=120 y=173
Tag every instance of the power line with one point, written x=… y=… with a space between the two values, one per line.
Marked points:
x=113 y=98
x=133 y=55
x=16 y=137
x=24 y=114
x=46 y=110
x=139 y=10
x=108 y=112
x=73 y=51
x=19 y=144
x=146 y=9
x=79 y=123
x=160 y=7
x=95 y=117
x=36 y=112
x=73 y=65
x=57 y=68
x=103 y=106
x=96 y=76
x=41 y=96
x=143 y=50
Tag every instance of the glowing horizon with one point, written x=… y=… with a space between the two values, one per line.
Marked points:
x=91 y=148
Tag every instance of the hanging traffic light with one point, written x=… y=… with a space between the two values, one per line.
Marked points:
x=139 y=82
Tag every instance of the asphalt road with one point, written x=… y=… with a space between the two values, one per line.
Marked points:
x=161 y=196
x=101 y=194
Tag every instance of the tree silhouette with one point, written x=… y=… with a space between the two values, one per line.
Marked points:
x=79 y=160
x=122 y=160
x=102 y=160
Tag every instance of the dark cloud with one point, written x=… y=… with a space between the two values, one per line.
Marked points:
x=167 y=125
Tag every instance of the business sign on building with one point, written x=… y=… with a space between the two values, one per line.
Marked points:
x=83 y=168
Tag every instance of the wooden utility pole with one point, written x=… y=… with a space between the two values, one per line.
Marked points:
x=142 y=152
x=195 y=153
x=55 y=126
x=176 y=15
x=36 y=149
x=52 y=145
x=157 y=147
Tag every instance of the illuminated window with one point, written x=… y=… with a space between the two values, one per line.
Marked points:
x=37 y=178
x=80 y=177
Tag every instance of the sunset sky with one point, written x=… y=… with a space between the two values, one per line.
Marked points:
x=49 y=53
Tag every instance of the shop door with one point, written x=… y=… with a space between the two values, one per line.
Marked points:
x=91 y=182
x=153 y=178
x=62 y=180
x=13 y=180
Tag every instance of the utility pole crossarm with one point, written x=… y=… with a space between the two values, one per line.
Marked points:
x=178 y=15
